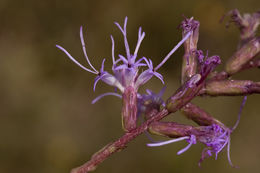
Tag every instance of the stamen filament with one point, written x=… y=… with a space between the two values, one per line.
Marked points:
x=139 y=41
x=75 y=61
x=173 y=50
x=125 y=38
x=84 y=48
x=239 y=113
x=167 y=142
x=105 y=94
x=192 y=141
x=113 y=50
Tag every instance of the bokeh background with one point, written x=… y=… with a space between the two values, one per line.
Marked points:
x=47 y=121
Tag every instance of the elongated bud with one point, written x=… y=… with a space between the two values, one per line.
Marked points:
x=129 y=109
x=243 y=56
x=231 y=87
x=189 y=62
x=169 y=129
x=198 y=115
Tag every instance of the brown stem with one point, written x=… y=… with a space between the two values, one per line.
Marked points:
x=118 y=145
x=181 y=97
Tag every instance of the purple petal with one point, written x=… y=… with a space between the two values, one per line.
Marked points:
x=167 y=142
x=140 y=64
x=239 y=113
x=121 y=29
x=123 y=66
x=125 y=23
x=105 y=94
x=123 y=59
x=143 y=78
x=141 y=36
x=96 y=81
x=148 y=63
x=102 y=66
x=173 y=50
x=141 y=59
x=75 y=61
x=113 y=49
x=84 y=49
x=159 y=76
x=192 y=141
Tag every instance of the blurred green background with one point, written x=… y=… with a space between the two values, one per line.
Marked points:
x=47 y=121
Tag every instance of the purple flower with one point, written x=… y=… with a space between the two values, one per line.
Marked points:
x=213 y=136
x=150 y=100
x=125 y=69
x=206 y=64
x=189 y=25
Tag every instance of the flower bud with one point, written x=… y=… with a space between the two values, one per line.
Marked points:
x=231 y=87
x=169 y=129
x=198 y=115
x=129 y=109
x=189 y=62
x=243 y=56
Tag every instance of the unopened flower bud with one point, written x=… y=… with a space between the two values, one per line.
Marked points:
x=231 y=87
x=198 y=115
x=243 y=56
x=169 y=129
x=129 y=109
x=189 y=62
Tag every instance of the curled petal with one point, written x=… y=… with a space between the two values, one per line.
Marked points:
x=159 y=76
x=108 y=79
x=113 y=49
x=105 y=94
x=122 y=58
x=192 y=141
x=140 y=39
x=123 y=66
x=143 y=78
x=84 y=49
x=125 y=38
x=146 y=76
x=96 y=81
x=75 y=61
x=173 y=50
x=102 y=66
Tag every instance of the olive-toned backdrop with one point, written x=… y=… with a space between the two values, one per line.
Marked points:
x=47 y=121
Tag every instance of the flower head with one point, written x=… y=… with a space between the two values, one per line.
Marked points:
x=125 y=68
x=215 y=137
x=148 y=102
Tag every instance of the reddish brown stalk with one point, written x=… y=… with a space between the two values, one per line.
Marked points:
x=181 y=97
x=118 y=145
